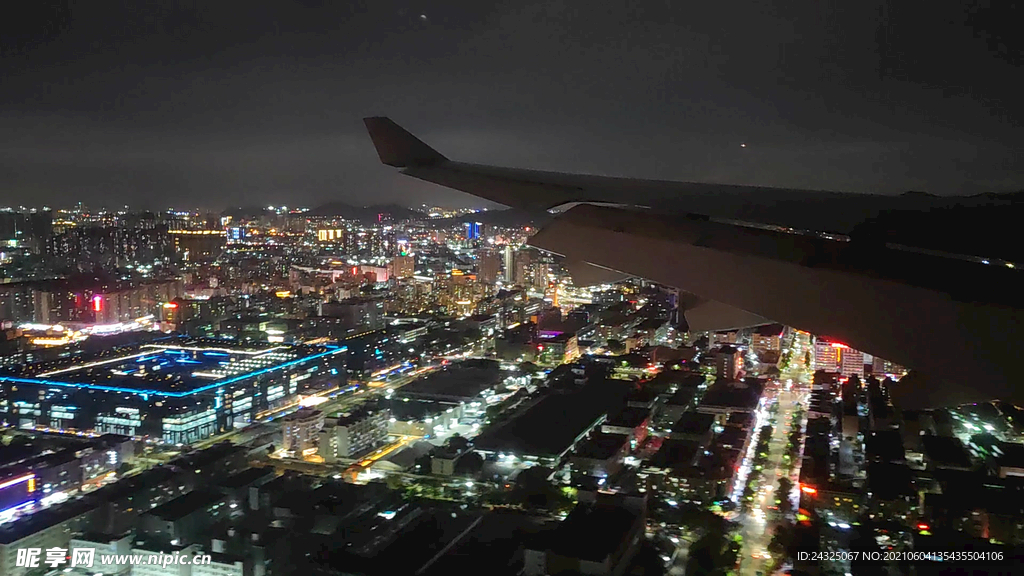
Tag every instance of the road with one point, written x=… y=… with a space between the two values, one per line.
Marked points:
x=758 y=526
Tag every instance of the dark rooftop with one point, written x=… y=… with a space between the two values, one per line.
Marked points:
x=416 y=409
x=601 y=446
x=743 y=420
x=889 y=481
x=732 y=395
x=247 y=477
x=211 y=455
x=885 y=446
x=458 y=382
x=676 y=454
x=187 y=504
x=819 y=425
x=133 y=485
x=592 y=532
x=355 y=416
x=682 y=397
x=1012 y=455
x=629 y=417
x=644 y=395
x=551 y=425
x=693 y=424
x=946 y=451
x=495 y=541
x=732 y=437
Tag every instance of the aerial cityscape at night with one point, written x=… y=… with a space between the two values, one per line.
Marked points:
x=251 y=326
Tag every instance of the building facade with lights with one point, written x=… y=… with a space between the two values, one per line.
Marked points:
x=179 y=391
x=301 y=430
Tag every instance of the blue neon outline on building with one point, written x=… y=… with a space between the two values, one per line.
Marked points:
x=146 y=392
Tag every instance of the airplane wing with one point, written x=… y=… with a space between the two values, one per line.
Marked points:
x=833 y=264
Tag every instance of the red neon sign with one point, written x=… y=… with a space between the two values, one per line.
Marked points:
x=97 y=303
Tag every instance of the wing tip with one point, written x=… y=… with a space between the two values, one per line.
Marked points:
x=397 y=147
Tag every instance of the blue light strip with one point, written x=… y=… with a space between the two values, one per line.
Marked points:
x=82 y=385
x=19 y=506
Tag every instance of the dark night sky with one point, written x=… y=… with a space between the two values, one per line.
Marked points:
x=261 y=103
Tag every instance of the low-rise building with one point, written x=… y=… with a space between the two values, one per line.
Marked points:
x=301 y=430
x=632 y=422
x=595 y=539
x=728 y=397
x=354 y=434
x=186 y=518
x=767 y=340
x=601 y=455
x=728 y=363
x=45 y=529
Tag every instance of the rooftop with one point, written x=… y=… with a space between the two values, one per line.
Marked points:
x=29 y=525
x=601 y=446
x=885 y=446
x=890 y=481
x=682 y=397
x=732 y=437
x=174 y=369
x=593 y=532
x=629 y=417
x=357 y=415
x=248 y=477
x=184 y=505
x=1012 y=455
x=693 y=424
x=676 y=454
x=946 y=451
x=733 y=395
x=302 y=415
x=743 y=420
x=458 y=382
x=551 y=425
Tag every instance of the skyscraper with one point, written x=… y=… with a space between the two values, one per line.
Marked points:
x=403 y=266
x=488 y=267
x=509 y=264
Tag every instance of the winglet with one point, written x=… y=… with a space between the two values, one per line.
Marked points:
x=397 y=147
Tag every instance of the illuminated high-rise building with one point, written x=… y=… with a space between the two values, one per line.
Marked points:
x=488 y=267
x=851 y=362
x=826 y=355
x=509 y=262
x=402 y=267
x=835 y=357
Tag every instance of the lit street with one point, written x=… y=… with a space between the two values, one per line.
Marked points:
x=759 y=524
